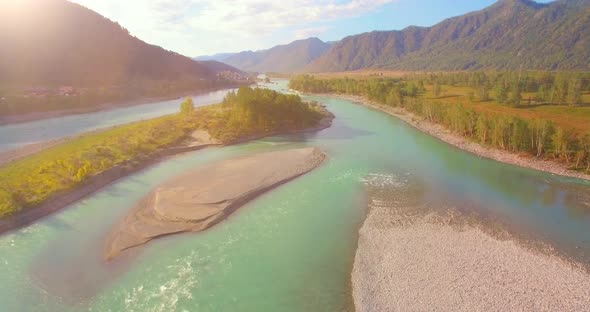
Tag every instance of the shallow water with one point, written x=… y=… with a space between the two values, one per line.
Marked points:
x=15 y=135
x=291 y=249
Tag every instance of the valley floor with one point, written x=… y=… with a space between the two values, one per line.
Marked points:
x=463 y=143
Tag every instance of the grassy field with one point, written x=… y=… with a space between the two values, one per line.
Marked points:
x=576 y=118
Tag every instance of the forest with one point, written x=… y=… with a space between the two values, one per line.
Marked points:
x=542 y=114
x=249 y=112
x=253 y=112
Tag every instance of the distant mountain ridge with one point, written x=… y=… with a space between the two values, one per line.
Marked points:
x=220 y=57
x=283 y=58
x=57 y=42
x=510 y=34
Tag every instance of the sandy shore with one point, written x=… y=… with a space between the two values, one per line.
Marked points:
x=410 y=261
x=463 y=143
x=199 y=199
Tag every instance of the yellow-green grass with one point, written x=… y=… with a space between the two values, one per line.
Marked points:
x=574 y=118
x=31 y=180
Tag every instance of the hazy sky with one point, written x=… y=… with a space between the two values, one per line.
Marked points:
x=198 y=27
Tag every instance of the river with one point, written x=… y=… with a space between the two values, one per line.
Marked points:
x=291 y=249
x=16 y=135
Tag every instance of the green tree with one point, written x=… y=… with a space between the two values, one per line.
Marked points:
x=561 y=144
x=482 y=129
x=501 y=93
x=516 y=94
x=574 y=94
x=187 y=107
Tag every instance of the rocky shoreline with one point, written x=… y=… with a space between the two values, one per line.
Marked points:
x=412 y=259
x=443 y=134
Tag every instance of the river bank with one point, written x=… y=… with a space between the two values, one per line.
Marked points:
x=440 y=132
x=198 y=140
x=16 y=119
x=412 y=258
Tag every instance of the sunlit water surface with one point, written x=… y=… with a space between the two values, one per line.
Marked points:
x=291 y=249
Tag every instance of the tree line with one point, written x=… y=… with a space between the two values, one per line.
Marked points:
x=537 y=137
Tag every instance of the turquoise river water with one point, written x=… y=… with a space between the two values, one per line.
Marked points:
x=291 y=249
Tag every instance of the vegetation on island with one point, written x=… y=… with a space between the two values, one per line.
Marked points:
x=254 y=112
x=249 y=112
x=542 y=114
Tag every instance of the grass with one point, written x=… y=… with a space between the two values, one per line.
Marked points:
x=575 y=118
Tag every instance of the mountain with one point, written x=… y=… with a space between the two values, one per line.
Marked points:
x=56 y=42
x=510 y=34
x=283 y=58
x=219 y=67
x=220 y=57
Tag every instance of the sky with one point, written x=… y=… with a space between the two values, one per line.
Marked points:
x=204 y=27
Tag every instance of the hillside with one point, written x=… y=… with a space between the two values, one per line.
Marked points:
x=56 y=42
x=510 y=34
x=283 y=58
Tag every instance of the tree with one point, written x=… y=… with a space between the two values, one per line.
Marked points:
x=483 y=92
x=561 y=142
x=542 y=94
x=540 y=132
x=395 y=96
x=501 y=93
x=574 y=94
x=482 y=128
x=516 y=94
x=559 y=91
x=187 y=107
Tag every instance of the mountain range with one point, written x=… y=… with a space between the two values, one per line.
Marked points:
x=283 y=58
x=508 y=35
x=56 y=42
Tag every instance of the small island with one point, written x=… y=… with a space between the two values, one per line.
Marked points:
x=64 y=172
x=199 y=199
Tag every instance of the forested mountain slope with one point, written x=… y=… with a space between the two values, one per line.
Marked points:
x=283 y=58
x=510 y=34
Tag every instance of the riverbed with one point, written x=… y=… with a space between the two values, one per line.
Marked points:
x=291 y=249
